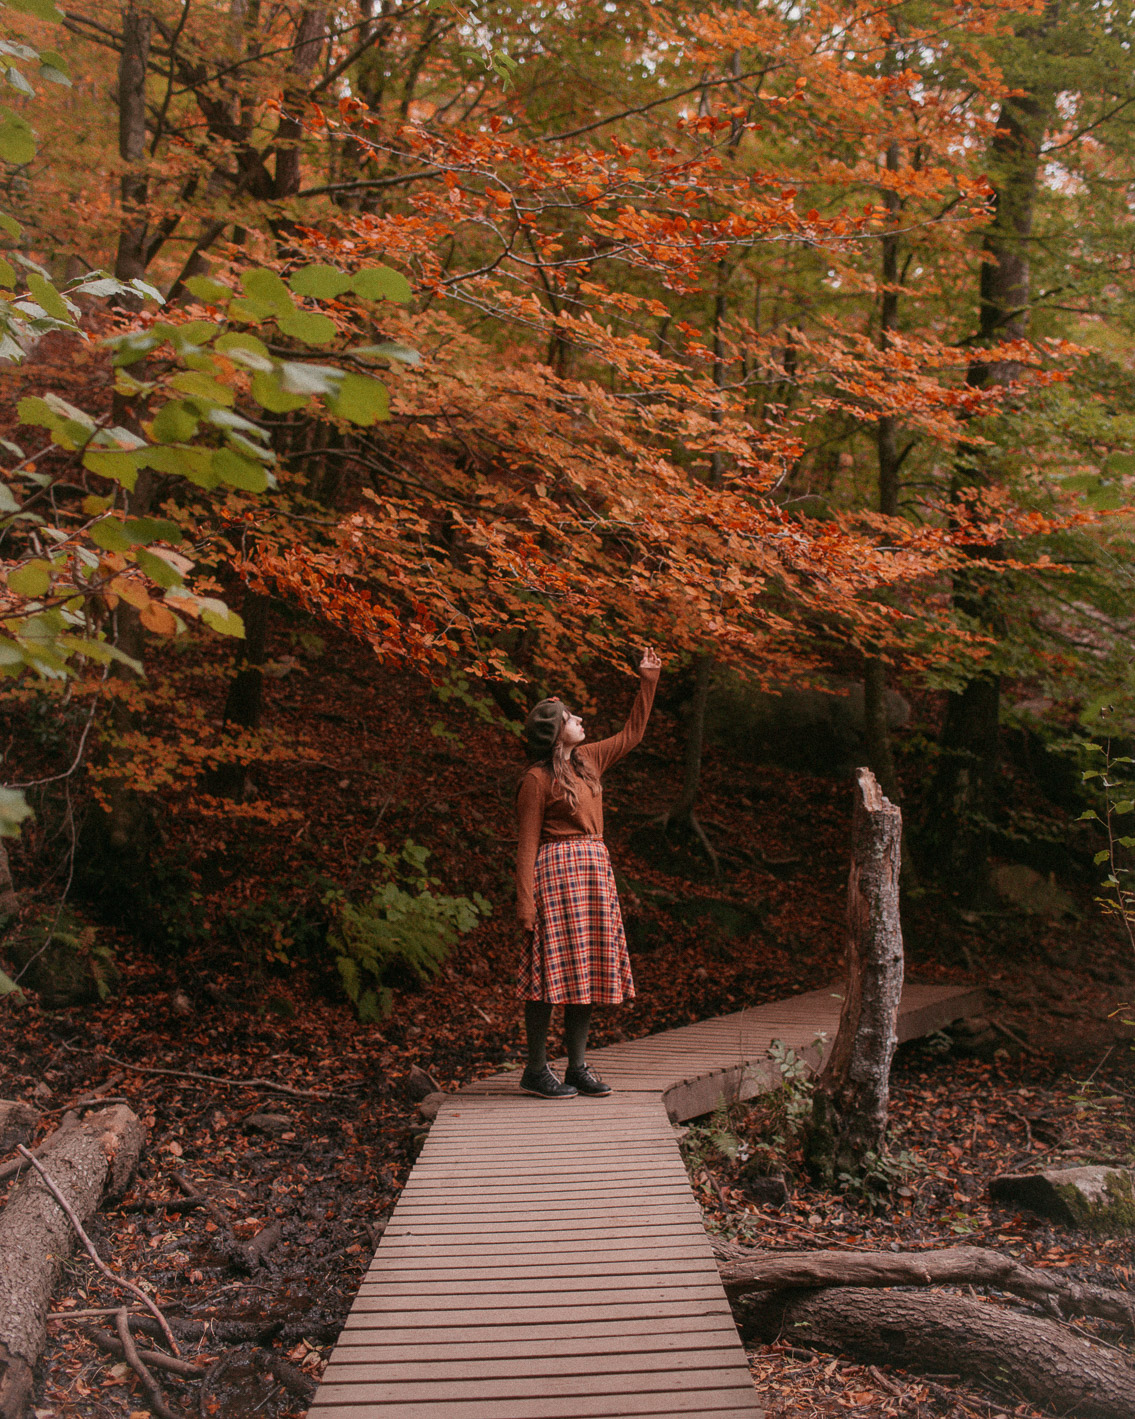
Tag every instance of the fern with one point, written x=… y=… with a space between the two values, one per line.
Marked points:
x=398 y=933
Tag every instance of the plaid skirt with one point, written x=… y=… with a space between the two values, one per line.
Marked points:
x=578 y=952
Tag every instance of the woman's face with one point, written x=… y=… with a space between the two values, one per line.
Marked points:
x=572 y=731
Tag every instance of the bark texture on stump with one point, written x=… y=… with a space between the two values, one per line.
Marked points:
x=939 y=1334
x=850 y=1105
x=95 y=1161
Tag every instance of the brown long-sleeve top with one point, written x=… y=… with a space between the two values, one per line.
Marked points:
x=545 y=814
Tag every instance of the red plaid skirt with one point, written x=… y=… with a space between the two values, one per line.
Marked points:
x=578 y=954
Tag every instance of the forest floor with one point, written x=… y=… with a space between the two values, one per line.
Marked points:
x=262 y=1092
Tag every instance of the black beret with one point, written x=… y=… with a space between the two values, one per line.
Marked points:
x=543 y=723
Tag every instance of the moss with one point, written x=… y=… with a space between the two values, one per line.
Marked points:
x=1110 y=1208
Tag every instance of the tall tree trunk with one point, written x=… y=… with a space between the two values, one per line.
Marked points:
x=682 y=818
x=876 y=736
x=850 y=1104
x=960 y=802
x=134 y=59
x=310 y=34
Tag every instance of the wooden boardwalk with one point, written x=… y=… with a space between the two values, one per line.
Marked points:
x=547 y=1260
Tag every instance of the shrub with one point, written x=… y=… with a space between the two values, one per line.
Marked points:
x=400 y=936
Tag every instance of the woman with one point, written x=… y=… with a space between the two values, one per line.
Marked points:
x=576 y=952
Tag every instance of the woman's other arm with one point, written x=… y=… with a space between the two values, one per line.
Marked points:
x=530 y=813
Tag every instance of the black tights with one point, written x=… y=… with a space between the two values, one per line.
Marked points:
x=537 y=1018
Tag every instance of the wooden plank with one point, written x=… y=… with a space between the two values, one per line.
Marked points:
x=453 y=1358
x=623 y=1309
x=645 y=1382
x=723 y=1404
x=547 y=1334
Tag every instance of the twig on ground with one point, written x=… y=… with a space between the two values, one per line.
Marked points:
x=212 y=1078
x=134 y=1360
x=49 y=1183
x=113 y=1345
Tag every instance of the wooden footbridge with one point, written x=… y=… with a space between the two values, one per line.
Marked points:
x=547 y=1260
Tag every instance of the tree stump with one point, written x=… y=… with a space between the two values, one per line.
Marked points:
x=849 y=1118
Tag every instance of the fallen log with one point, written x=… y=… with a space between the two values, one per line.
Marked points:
x=744 y=1272
x=1006 y=1352
x=94 y=1162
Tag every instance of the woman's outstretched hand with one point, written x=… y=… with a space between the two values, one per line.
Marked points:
x=650 y=664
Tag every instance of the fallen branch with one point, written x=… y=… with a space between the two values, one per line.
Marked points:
x=49 y=1183
x=745 y=1273
x=1005 y=1351
x=185 y=1369
x=211 y=1078
x=95 y=1160
x=134 y=1360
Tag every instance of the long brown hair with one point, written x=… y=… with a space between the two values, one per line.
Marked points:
x=568 y=770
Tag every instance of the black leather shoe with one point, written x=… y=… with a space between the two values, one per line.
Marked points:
x=544 y=1084
x=586 y=1082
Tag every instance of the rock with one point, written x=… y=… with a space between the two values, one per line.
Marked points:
x=270 y=1124
x=17 y=1124
x=1026 y=889
x=766 y=1191
x=420 y=1083
x=429 y=1106
x=1098 y=1198
x=181 y=1004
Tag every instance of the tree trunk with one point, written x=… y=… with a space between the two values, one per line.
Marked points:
x=310 y=34
x=961 y=798
x=96 y=1160
x=682 y=820
x=246 y=690
x=1007 y=1352
x=850 y=1104
x=744 y=1271
x=130 y=260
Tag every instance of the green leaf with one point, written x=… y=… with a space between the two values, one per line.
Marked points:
x=47 y=296
x=362 y=400
x=239 y=472
x=174 y=422
x=41 y=9
x=268 y=391
x=185 y=462
x=152 y=529
x=300 y=378
x=10 y=226
x=268 y=288
x=201 y=386
x=17 y=141
x=309 y=326
x=17 y=81
x=245 y=349
x=1126 y=842
x=388 y=350
x=158 y=569
x=52 y=75
x=1088 y=816
x=14 y=809
x=219 y=618
x=207 y=290
x=8 y=501
x=7 y=275
x=375 y=283
x=321 y=282
x=109 y=534
x=1101 y=856
x=1125 y=805
x=120 y=464
x=191 y=335
x=30 y=580
x=7 y=985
